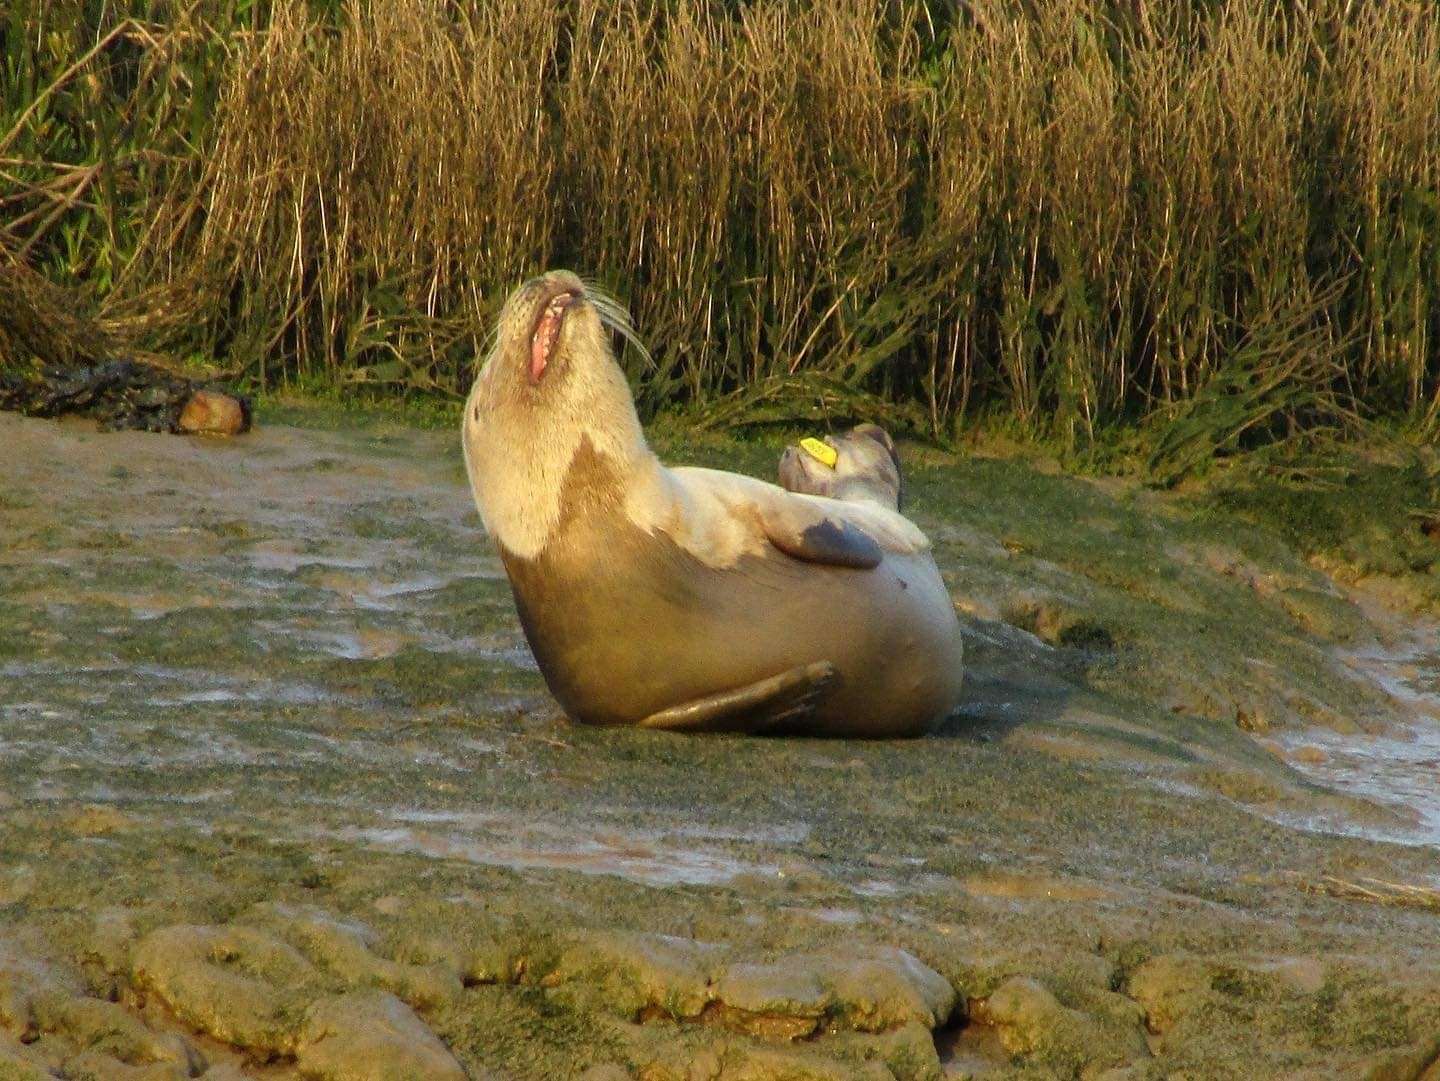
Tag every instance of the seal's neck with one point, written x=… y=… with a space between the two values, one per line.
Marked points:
x=520 y=453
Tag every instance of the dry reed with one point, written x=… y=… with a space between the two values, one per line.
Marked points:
x=1223 y=218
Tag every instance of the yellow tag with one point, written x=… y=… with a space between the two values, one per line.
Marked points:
x=820 y=451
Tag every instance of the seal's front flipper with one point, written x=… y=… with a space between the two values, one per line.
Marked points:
x=787 y=699
x=801 y=532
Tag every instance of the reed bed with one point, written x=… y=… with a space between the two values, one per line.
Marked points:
x=1217 y=221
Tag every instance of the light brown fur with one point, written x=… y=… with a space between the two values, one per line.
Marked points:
x=642 y=588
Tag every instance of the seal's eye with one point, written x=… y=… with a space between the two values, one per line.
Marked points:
x=821 y=451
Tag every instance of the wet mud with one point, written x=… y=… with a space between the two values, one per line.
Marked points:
x=282 y=795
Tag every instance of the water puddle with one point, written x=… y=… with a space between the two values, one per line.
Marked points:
x=1397 y=769
x=286 y=558
x=637 y=857
x=673 y=856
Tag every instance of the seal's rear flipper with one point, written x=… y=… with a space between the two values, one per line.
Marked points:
x=784 y=700
x=860 y=465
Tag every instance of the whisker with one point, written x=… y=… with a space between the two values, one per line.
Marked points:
x=616 y=316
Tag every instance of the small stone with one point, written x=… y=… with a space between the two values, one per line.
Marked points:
x=635 y=971
x=96 y=819
x=209 y=412
x=191 y=969
x=1251 y=719
x=1055 y=622
x=372 y=1036
x=389 y=905
x=773 y=989
x=16 y=884
x=93 y=1065
x=1324 y=615
x=1031 y=1021
x=1168 y=988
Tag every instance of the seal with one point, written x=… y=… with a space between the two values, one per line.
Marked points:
x=686 y=598
x=860 y=465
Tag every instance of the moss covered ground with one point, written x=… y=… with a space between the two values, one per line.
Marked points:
x=282 y=793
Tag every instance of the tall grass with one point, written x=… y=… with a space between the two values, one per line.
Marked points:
x=1220 y=218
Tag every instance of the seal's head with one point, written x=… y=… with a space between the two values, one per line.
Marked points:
x=553 y=338
x=549 y=384
x=861 y=464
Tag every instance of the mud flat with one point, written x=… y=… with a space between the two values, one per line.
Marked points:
x=282 y=795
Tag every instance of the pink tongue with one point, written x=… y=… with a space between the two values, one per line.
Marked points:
x=541 y=344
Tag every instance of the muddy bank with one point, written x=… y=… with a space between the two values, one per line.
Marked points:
x=283 y=795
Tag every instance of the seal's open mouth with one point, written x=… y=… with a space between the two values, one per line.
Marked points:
x=547 y=331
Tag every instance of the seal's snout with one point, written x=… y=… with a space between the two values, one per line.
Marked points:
x=551 y=317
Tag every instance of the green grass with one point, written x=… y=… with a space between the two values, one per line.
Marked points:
x=1214 y=225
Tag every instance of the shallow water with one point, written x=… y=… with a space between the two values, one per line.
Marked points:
x=646 y=858
x=1398 y=768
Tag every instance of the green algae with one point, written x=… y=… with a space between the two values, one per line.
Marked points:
x=430 y=793
x=1368 y=514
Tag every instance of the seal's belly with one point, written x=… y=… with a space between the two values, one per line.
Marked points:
x=625 y=624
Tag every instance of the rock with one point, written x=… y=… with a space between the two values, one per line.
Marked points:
x=49 y=1021
x=204 y=975
x=774 y=989
x=907 y=1050
x=93 y=1022
x=1325 y=615
x=631 y=972
x=1056 y=623
x=344 y=949
x=740 y=1060
x=1033 y=1023
x=869 y=990
x=888 y=987
x=1168 y=988
x=209 y=412
x=19 y=1063
x=776 y=1027
x=372 y=1036
x=1310 y=755
x=657 y=977
x=98 y=1066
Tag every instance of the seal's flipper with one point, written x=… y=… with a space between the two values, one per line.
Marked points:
x=816 y=538
x=861 y=465
x=769 y=703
